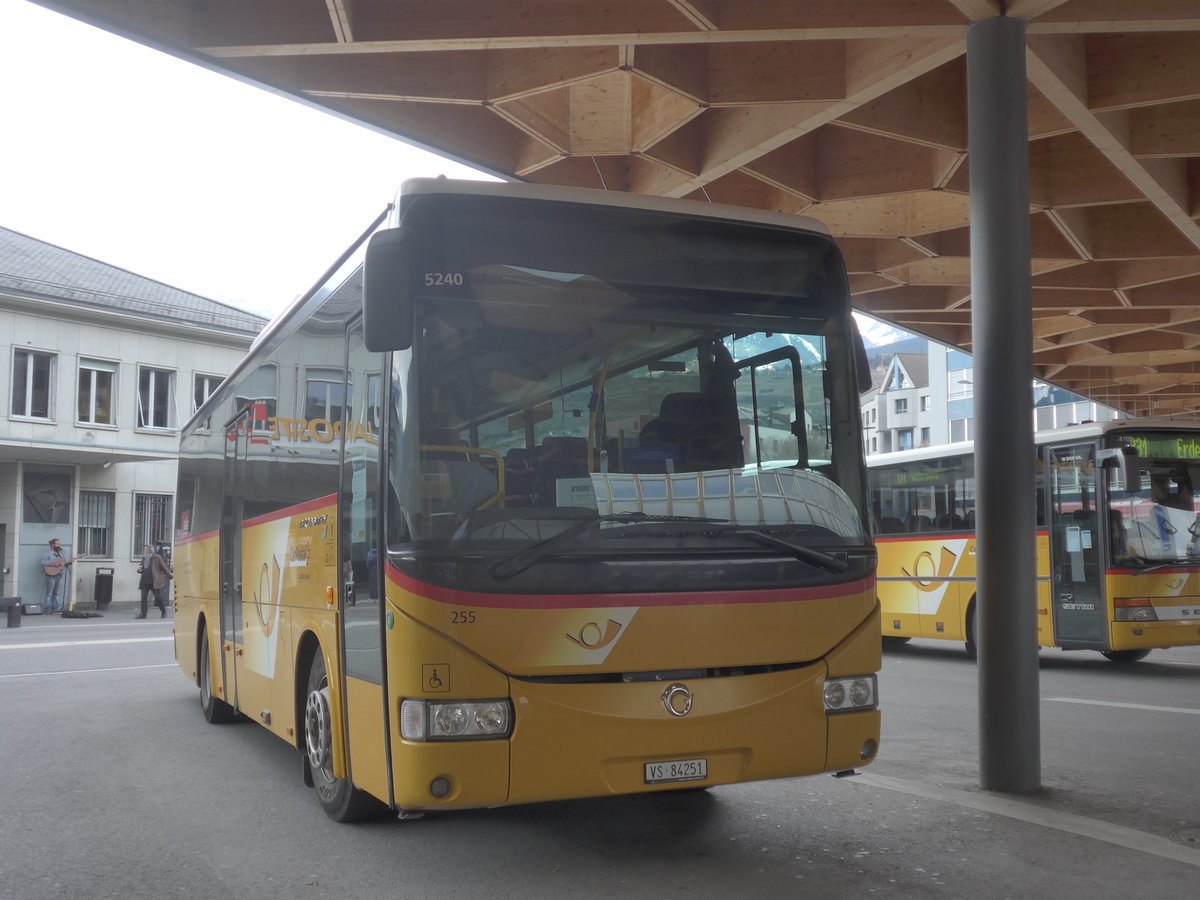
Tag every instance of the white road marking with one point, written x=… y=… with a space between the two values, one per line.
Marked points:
x=88 y=671
x=1146 y=706
x=146 y=640
x=1129 y=838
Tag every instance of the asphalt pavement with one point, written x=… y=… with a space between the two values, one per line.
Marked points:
x=159 y=804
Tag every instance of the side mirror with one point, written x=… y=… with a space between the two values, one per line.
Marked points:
x=1125 y=459
x=387 y=302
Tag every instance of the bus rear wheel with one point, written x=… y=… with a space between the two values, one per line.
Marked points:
x=340 y=799
x=1124 y=656
x=216 y=711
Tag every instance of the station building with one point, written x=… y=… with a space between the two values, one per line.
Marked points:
x=101 y=367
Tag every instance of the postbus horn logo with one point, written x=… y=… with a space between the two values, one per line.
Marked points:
x=592 y=637
x=925 y=573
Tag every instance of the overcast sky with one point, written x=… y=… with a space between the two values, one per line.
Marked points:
x=135 y=158
x=169 y=170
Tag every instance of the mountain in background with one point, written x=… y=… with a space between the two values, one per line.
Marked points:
x=883 y=340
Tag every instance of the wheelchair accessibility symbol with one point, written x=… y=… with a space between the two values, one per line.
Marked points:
x=435 y=677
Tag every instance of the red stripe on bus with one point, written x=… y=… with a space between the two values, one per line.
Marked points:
x=662 y=598
x=298 y=509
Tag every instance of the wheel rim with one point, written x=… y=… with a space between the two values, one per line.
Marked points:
x=317 y=738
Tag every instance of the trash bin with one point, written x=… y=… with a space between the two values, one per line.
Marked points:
x=13 y=605
x=103 y=590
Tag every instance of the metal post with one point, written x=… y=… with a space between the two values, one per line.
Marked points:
x=1002 y=339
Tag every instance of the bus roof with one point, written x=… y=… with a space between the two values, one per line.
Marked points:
x=594 y=197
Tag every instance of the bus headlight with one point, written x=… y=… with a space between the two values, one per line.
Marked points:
x=1134 y=609
x=455 y=720
x=851 y=694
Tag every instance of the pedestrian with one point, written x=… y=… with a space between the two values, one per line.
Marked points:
x=55 y=565
x=155 y=577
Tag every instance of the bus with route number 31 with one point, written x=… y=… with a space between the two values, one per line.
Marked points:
x=541 y=493
x=1117 y=532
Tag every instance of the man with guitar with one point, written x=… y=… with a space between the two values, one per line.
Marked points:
x=54 y=564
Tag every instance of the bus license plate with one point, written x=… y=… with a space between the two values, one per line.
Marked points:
x=676 y=770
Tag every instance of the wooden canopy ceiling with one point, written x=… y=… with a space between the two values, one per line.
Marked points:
x=851 y=111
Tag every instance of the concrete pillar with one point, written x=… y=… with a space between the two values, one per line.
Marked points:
x=1002 y=338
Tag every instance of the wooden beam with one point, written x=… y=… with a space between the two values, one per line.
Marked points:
x=512 y=73
x=1059 y=68
x=1080 y=16
x=930 y=109
x=341 y=17
x=701 y=13
x=649 y=37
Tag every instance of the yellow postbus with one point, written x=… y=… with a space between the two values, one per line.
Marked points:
x=1118 y=545
x=542 y=493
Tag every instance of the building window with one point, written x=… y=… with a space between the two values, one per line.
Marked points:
x=151 y=521
x=925 y=403
x=904 y=439
x=874 y=445
x=203 y=387
x=47 y=495
x=95 y=524
x=962 y=430
x=97 y=387
x=960 y=382
x=156 y=398
x=901 y=405
x=31 y=382
x=325 y=396
x=924 y=437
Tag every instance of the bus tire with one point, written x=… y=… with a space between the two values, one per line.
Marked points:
x=1124 y=656
x=341 y=800
x=972 y=645
x=216 y=711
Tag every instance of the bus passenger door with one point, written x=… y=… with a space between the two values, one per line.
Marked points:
x=1075 y=547
x=237 y=442
x=363 y=599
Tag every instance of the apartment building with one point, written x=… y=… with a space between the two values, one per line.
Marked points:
x=101 y=367
x=924 y=399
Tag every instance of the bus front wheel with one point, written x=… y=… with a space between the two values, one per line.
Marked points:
x=216 y=711
x=1124 y=656
x=340 y=799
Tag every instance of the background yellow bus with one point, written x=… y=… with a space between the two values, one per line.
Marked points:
x=1118 y=554
x=559 y=493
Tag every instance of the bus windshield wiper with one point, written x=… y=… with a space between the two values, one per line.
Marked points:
x=835 y=564
x=514 y=565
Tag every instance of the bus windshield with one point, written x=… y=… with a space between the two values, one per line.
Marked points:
x=1157 y=524
x=650 y=370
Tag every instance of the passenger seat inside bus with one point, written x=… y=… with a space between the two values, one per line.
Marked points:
x=519 y=474
x=557 y=458
x=688 y=432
